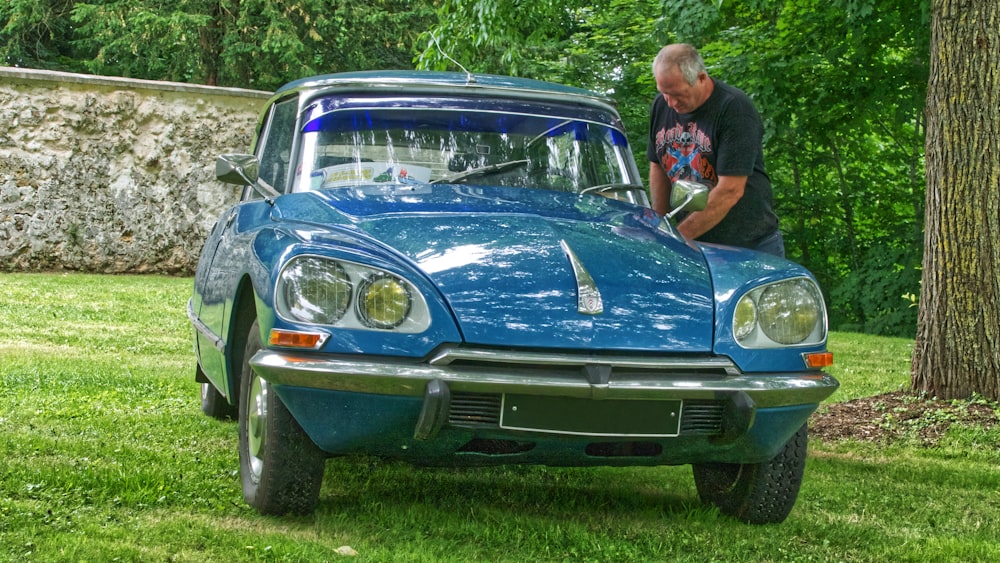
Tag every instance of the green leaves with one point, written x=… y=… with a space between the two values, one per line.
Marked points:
x=130 y=39
x=520 y=38
x=37 y=34
x=246 y=43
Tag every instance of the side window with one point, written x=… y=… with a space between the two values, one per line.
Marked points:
x=275 y=148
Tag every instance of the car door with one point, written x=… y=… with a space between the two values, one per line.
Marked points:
x=227 y=251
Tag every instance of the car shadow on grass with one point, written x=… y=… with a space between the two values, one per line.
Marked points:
x=372 y=486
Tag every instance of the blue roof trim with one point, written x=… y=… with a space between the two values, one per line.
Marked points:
x=485 y=108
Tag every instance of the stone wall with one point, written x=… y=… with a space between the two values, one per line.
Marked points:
x=113 y=175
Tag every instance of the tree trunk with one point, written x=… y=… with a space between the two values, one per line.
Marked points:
x=847 y=206
x=957 y=350
x=800 y=215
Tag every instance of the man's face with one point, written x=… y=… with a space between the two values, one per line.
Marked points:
x=679 y=95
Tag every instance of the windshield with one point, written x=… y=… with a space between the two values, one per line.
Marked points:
x=407 y=145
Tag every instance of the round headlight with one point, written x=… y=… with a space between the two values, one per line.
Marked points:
x=788 y=312
x=384 y=301
x=745 y=318
x=315 y=290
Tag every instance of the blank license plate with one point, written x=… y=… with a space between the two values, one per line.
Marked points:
x=590 y=417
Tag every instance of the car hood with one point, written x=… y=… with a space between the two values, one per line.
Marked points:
x=511 y=263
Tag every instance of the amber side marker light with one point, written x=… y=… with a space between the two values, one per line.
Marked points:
x=295 y=339
x=817 y=360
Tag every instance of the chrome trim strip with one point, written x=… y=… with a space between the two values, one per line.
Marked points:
x=430 y=85
x=588 y=299
x=202 y=328
x=410 y=379
x=447 y=356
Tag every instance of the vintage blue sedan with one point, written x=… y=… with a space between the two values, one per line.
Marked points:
x=460 y=270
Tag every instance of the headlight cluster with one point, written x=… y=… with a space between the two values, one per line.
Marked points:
x=784 y=313
x=323 y=291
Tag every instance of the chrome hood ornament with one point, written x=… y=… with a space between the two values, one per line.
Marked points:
x=589 y=300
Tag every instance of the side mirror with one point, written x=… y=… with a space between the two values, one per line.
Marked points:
x=686 y=195
x=244 y=170
x=240 y=169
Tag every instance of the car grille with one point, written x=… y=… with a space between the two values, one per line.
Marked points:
x=474 y=410
x=701 y=418
x=482 y=410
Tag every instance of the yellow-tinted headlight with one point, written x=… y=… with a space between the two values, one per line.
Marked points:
x=745 y=318
x=383 y=301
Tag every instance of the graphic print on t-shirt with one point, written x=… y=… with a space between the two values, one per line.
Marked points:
x=685 y=151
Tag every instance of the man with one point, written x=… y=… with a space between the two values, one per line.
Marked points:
x=706 y=131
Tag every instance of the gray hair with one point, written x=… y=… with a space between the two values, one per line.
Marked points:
x=685 y=57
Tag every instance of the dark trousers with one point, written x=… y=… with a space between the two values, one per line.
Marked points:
x=771 y=244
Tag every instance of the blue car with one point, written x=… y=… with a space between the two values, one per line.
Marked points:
x=462 y=270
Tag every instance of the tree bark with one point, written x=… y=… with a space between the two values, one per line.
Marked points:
x=957 y=349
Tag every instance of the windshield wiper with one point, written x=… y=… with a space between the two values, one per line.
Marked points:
x=615 y=187
x=483 y=171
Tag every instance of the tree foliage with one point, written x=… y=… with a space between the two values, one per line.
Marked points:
x=38 y=34
x=246 y=43
x=841 y=85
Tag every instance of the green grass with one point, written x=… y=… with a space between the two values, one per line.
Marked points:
x=105 y=455
x=868 y=365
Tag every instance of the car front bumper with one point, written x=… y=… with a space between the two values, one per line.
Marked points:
x=694 y=409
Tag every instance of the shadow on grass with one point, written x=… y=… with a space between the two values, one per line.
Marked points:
x=374 y=487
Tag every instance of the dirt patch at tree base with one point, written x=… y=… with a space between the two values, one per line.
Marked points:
x=900 y=415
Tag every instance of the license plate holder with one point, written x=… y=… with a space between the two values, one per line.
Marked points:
x=626 y=418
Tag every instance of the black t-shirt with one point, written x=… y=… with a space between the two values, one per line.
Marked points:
x=723 y=137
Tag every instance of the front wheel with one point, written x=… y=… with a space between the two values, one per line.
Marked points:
x=281 y=469
x=756 y=493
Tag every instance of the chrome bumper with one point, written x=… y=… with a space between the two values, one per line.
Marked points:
x=566 y=375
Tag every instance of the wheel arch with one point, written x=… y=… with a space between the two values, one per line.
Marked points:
x=244 y=313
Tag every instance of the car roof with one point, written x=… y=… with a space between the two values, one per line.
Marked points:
x=452 y=82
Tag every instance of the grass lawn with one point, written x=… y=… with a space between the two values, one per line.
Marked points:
x=105 y=456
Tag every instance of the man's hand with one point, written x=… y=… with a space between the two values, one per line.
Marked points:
x=721 y=199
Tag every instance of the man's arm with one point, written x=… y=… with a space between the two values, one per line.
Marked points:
x=721 y=199
x=659 y=188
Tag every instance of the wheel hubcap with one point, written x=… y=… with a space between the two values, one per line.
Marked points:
x=257 y=424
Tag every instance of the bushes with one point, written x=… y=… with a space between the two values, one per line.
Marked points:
x=880 y=297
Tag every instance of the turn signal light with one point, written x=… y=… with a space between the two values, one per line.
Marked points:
x=818 y=360
x=295 y=339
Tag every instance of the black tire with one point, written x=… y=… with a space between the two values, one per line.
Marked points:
x=281 y=469
x=215 y=405
x=756 y=493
